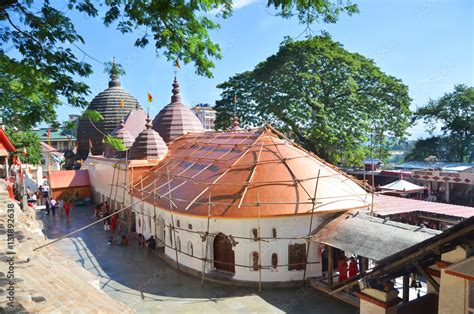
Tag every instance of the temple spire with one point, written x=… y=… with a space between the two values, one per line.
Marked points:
x=176 y=97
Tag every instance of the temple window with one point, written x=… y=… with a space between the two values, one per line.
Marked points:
x=255 y=264
x=275 y=260
x=297 y=256
x=255 y=234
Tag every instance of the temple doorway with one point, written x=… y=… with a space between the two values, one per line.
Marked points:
x=224 y=258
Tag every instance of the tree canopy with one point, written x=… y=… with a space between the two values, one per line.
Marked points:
x=453 y=113
x=28 y=140
x=41 y=57
x=330 y=100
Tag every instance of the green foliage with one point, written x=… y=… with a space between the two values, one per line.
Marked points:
x=44 y=65
x=69 y=125
x=92 y=115
x=454 y=112
x=44 y=42
x=327 y=98
x=115 y=143
x=114 y=69
x=28 y=140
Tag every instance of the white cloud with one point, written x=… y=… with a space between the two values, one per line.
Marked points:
x=236 y=4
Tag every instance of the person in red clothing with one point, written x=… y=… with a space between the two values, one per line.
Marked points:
x=113 y=222
x=353 y=268
x=342 y=268
x=67 y=208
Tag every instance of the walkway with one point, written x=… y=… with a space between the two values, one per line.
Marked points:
x=138 y=278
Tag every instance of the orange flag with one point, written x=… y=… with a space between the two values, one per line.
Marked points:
x=122 y=103
x=150 y=97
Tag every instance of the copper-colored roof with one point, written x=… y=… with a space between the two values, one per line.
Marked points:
x=148 y=144
x=68 y=178
x=107 y=103
x=246 y=173
x=391 y=205
x=176 y=119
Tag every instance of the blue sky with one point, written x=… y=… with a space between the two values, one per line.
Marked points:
x=429 y=44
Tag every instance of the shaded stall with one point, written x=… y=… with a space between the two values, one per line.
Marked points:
x=370 y=238
x=73 y=185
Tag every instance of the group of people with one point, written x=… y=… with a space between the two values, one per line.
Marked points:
x=346 y=270
x=62 y=205
x=41 y=197
x=150 y=243
x=103 y=211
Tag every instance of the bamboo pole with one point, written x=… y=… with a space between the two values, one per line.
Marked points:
x=311 y=224
x=259 y=247
x=172 y=224
x=207 y=239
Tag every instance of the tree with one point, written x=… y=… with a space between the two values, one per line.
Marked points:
x=39 y=44
x=454 y=113
x=328 y=99
x=26 y=140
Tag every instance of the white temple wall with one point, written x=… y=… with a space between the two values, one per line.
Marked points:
x=286 y=227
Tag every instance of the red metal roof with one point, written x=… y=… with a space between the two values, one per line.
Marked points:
x=246 y=174
x=68 y=178
x=385 y=205
x=5 y=142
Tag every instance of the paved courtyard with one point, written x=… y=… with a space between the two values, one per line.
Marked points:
x=144 y=282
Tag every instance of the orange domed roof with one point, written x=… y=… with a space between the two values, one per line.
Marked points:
x=247 y=174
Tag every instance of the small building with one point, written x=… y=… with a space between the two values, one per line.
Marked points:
x=206 y=114
x=374 y=163
x=60 y=139
x=73 y=185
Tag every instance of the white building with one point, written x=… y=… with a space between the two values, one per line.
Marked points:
x=206 y=114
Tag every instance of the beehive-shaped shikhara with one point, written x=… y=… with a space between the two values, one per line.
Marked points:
x=176 y=119
x=122 y=134
x=148 y=144
x=113 y=104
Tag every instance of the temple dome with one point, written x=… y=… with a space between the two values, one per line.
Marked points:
x=175 y=119
x=121 y=133
x=108 y=104
x=148 y=144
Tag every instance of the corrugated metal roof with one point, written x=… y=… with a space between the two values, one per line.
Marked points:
x=390 y=205
x=68 y=178
x=369 y=236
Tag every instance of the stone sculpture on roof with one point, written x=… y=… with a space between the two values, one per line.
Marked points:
x=176 y=119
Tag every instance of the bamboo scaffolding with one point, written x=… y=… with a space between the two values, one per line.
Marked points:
x=259 y=247
x=311 y=223
x=324 y=162
x=193 y=164
x=293 y=175
x=250 y=180
x=207 y=239
x=172 y=229
x=222 y=174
